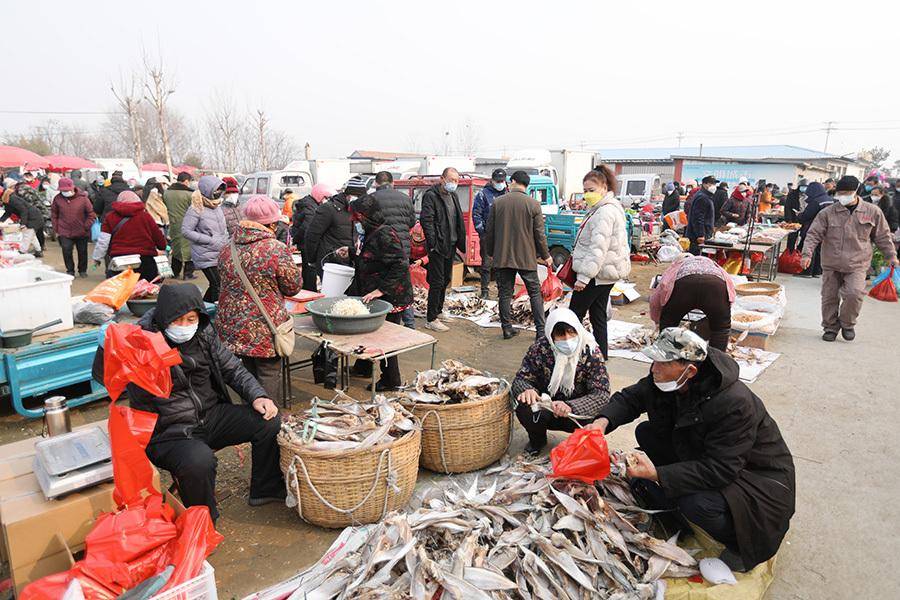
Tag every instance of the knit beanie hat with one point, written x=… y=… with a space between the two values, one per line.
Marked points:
x=847 y=183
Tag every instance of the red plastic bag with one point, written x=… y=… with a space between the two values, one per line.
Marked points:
x=418 y=275
x=885 y=291
x=115 y=290
x=583 y=456
x=789 y=262
x=552 y=287
x=133 y=355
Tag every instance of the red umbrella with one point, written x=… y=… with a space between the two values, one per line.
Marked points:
x=11 y=156
x=67 y=163
x=155 y=167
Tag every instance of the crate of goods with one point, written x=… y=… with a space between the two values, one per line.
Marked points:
x=34 y=297
x=472 y=429
x=201 y=587
x=354 y=483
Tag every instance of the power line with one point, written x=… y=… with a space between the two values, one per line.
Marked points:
x=59 y=112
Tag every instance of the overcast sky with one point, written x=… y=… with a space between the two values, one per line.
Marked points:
x=397 y=75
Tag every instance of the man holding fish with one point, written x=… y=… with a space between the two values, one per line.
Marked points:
x=712 y=452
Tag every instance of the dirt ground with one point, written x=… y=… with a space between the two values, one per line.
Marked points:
x=833 y=403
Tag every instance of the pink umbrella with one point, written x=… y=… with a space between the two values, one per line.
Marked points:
x=11 y=156
x=67 y=163
x=155 y=167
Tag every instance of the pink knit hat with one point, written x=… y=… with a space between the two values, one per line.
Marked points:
x=320 y=191
x=261 y=209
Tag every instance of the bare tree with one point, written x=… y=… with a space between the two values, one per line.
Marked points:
x=467 y=138
x=159 y=86
x=260 y=123
x=128 y=95
x=223 y=132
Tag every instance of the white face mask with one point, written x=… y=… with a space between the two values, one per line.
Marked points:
x=566 y=346
x=230 y=199
x=671 y=386
x=499 y=185
x=450 y=186
x=68 y=194
x=711 y=188
x=845 y=200
x=181 y=333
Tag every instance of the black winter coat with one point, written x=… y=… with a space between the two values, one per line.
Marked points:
x=303 y=212
x=890 y=213
x=436 y=224
x=107 y=195
x=701 y=218
x=186 y=406
x=725 y=440
x=719 y=200
x=383 y=265
x=29 y=215
x=329 y=229
x=671 y=203
x=398 y=212
x=792 y=206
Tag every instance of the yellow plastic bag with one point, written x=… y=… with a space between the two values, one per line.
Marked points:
x=115 y=290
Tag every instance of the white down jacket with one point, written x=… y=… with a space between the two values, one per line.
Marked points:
x=603 y=252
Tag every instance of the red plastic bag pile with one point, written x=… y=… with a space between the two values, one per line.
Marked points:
x=583 y=456
x=789 y=262
x=885 y=290
x=552 y=287
x=143 y=537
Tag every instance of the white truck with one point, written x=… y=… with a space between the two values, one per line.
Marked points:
x=566 y=168
x=126 y=165
x=636 y=189
x=407 y=168
x=298 y=176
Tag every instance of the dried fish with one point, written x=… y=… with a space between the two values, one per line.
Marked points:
x=636 y=339
x=453 y=383
x=465 y=305
x=508 y=534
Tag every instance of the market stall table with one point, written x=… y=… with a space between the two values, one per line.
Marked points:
x=767 y=268
x=387 y=341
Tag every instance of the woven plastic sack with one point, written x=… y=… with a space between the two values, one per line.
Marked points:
x=583 y=456
x=114 y=291
x=885 y=290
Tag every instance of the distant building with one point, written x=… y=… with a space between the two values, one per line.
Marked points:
x=385 y=156
x=779 y=164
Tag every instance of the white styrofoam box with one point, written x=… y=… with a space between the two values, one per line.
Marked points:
x=31 y=297
x=201 y=587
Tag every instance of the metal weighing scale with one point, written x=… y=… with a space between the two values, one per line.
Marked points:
x=72 y=461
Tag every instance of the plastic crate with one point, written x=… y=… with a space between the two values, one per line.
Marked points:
x=33 y=297
x=201 y=587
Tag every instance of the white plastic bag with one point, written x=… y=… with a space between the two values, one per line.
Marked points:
x=756 y=321
x=668 y=253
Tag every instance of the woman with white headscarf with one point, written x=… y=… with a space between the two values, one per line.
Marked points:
x=562 y=383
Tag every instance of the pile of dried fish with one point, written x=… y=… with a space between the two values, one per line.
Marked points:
x=637 y=339
x=520 y=312
x=521 y=536
x=465 y=305
x=420 y=301
x=345 y=424
x=751 y=356
x=454 y=382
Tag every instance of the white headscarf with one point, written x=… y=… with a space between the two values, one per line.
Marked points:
x=565 y=365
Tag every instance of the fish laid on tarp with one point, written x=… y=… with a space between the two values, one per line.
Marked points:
x=510 y=533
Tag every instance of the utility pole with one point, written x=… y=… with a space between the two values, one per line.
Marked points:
x=828 y=127
x=680 y=137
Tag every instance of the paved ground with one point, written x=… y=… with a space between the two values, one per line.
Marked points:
x=833 y=403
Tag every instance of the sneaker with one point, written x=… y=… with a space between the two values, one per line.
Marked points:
x=510 y=333
x=733 y=561
x=436 y=326
x=829 y=336
x=444 y=316
x=848 y=333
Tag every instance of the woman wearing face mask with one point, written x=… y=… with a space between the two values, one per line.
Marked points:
x=204 y=227
x=271 y=271
x=880 y=198
x=230 y=205
x=382 y=271
x=566 y=365
x=153 y=200
x=602 y=252
x=129 y=229
x=73 y=215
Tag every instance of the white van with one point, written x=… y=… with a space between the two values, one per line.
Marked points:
x=638 y=188
x=273 y=183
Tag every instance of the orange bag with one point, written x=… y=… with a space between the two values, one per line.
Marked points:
x=552 y=288
x=114 y=291
x=885 y=291
x=133 y=355
x=789 y=262
x=583 y=456
x=418 y=275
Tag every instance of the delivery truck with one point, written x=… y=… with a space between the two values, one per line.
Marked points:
x=565 y=168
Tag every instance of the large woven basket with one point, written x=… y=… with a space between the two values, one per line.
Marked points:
x=360 y=486
x=758 y=288
x=457 y=438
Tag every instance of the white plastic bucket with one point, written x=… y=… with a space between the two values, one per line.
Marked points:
x=336 y=279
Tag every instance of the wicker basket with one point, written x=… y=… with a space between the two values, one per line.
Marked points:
x=758 y=288
x=360 y=485
x=457 y=438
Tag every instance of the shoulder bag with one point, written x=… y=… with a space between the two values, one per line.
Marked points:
x=566 y=273
x=282 y=336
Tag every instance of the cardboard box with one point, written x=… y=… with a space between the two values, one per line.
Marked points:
x=457 y=275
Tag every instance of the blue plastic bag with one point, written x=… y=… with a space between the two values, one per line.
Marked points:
x=95 y=230
x=885 y=273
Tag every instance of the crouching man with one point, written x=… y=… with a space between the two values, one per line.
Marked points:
x=715 y=455
x=198 y=417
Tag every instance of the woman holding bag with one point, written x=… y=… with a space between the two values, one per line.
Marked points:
x=257 y=272
x=601 y=254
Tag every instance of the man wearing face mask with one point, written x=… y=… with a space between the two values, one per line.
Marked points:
x=710 y=449
x=178 y=200
x=702 y=216
x=445 y=235
x=792 y=210
x=865 y=192
x=72 y=216
x=481 y=210
x=198 y=417
x=846 y=231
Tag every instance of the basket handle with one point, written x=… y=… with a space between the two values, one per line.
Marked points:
x=440 y=434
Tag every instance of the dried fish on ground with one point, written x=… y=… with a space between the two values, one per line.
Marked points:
x=420 y=301
x=345 y=424
x=465 y=305
x=637 y=339
x=520 y=310
x=513 y=534
x=453 y=382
